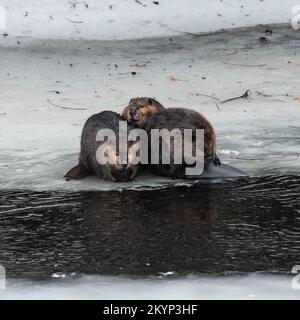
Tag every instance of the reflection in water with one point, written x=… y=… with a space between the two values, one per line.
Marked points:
x=238 y=226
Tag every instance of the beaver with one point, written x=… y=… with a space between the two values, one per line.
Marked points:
x=88 y=160
x=180 y=118
x=139 y=110
x=147 y=113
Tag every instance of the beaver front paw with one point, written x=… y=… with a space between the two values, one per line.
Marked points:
x=217 y=161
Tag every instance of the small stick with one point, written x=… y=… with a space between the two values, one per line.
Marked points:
x=271 y=95
x=217 y=106
x=263 y=94
x=243 y=96
x=206 y=95
x=196 y=35
x=294 y=127
x=140 y=64
x=73 y=21
x=54 y=91
x=229 y=54
x=62 y=107
x=244 y=65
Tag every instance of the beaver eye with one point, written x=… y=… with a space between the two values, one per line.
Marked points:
x=140 y=106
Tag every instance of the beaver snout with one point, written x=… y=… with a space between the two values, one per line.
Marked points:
x=133 y=111
x=122 y=175
x=134 y=114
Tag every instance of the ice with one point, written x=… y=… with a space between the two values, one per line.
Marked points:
x=251 y=287
x=40 y=142
x=127 y=19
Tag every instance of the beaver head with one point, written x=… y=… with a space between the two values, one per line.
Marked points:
x=139 y=110
x=118 y=171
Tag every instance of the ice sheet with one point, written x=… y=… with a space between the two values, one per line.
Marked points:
x=249 y=287
x=40 y=134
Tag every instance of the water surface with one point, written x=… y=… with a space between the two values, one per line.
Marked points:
x=241 y=226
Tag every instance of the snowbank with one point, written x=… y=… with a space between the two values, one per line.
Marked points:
x=129 y=19
x=191 y=287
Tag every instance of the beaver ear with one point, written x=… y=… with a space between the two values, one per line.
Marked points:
x=150 y=101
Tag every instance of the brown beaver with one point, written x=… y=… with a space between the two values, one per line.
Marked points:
x=180 y=118
x=148 y=113
x=139 y=110
x=88 y=163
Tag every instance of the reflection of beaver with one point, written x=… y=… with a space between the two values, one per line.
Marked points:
x=88 y=163
x=139 y=110
x=179 y=118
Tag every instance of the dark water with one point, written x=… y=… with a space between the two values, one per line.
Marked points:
x=234 y=226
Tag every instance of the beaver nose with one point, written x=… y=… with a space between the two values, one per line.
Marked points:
x=133 y=112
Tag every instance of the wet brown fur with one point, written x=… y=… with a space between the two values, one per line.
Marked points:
x=88 y=163
x=180 y=118
x=145 y=107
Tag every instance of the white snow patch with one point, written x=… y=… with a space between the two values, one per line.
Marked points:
x=127 y=19
x=229 y=152
x=251 y=286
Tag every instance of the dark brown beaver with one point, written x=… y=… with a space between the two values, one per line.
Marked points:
x=88 y=163
x=139 y=110
x=180 y=118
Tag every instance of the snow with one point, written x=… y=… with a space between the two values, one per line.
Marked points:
x=127 y=19
x=242 y=287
